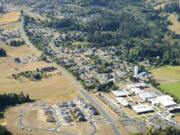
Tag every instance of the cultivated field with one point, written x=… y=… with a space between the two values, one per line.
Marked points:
x=173 y=88
x=55 y=89
x=9 y=17
x=175 y=24
x=166 y=74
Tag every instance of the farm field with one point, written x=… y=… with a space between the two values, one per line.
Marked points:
x=9 y=17
x=173 y=88
x=175 y=24
x=54 y=89
x=166 y=74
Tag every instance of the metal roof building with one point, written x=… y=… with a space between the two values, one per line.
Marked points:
x=120 y=93
x=143 y=108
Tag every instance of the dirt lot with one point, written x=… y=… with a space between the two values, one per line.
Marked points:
x=36 y=118
x=81 y=128
x=9 y=17
x=103 y=129
x=12 y=124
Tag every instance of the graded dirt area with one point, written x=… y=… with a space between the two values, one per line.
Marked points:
x=54 y=89
x=104 y=129
x=12 y=124
x=9 y=17
x=81 y=128
x=34 y=117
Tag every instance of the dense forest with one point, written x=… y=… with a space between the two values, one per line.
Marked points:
x=13 y=99
x=8 y=100
x=4 y=131
x=140 y=29
x=2 y=52
x=168 y=131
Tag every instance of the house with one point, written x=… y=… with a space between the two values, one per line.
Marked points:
x=17 y=60
x=71 y=104
x=63 y=104
x=81 y=118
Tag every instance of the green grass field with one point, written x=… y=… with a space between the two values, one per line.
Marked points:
x=166 y=74
x=173 y=88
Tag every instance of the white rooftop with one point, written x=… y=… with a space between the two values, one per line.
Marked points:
x=136 y=90
x=120 y=93
x=122 y=101
x=142 y=108
x=166 y=100
x=137 y=85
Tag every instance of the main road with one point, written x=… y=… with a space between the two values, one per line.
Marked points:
x=103 y=112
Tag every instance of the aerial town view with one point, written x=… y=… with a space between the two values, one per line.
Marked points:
x=89 y=67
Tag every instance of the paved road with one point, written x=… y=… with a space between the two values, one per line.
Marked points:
x=103 y=112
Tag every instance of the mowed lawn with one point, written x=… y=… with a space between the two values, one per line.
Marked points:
x=173 y=88
x=9 y=17
x=55 y=89
x=166 y=74
x=175 y=24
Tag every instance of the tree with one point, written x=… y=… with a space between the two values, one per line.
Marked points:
x=43 y=57
x=2 y=52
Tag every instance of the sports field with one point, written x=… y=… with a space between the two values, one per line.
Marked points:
x=173 y=88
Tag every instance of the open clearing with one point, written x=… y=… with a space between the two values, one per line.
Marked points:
x=175 y=24
x=54 y=89
x=103 y=129
x=10 y=26
x=166 y=74
x=173 y=88
x=34 y=117
x=80 y=128
x=9 y=17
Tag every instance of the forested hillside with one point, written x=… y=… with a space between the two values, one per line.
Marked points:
x=131 y=24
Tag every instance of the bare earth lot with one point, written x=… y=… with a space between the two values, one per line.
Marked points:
x=103 y=129
x=81 y=128
x=36 y=118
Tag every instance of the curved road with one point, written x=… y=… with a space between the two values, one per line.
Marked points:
x=106 y=115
